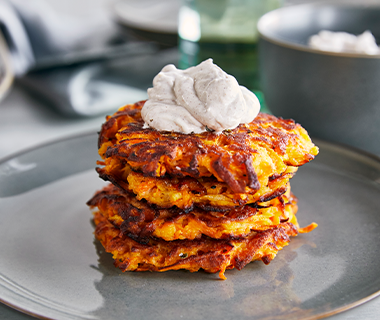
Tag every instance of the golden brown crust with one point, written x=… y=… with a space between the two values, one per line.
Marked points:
x=140 y=221
x=245 y=157
x=208 y=254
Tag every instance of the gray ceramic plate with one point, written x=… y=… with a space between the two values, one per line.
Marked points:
x=51 y=266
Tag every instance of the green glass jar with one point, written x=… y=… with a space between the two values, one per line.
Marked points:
x=226 y=31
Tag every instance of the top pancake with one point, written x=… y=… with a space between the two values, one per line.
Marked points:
x=245 y=158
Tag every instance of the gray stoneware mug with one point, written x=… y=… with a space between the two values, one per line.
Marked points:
x=334 y=96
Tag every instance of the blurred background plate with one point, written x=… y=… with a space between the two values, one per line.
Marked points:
x=149 y=19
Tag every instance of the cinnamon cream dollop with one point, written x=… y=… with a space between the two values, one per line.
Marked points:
x=198 y=99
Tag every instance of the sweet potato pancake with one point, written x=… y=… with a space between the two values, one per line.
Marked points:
x=139 y=220
x=245 y=158
x=208 y=254
x=207 y=193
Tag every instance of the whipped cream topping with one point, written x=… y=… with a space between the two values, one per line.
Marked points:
x=344 y=42
x=198 y=99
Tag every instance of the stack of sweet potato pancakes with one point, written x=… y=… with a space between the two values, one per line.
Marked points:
x=197 y=201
